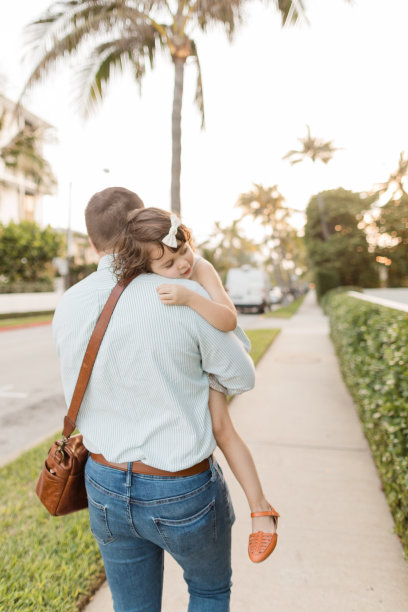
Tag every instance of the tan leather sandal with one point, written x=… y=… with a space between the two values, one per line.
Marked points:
x=262 y=544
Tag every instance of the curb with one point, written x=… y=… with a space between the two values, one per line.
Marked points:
x=13 y=456
x=24 y=325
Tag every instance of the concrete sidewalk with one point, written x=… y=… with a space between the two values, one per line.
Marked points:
x=336 y=550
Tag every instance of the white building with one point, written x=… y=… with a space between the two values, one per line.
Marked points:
x=19 y=196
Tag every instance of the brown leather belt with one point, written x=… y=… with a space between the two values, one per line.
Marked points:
x=141 y=468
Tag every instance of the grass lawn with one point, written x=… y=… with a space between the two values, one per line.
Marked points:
x=14 y=321
x=285 y=312
x=53 y=563
x=260 y=339
x=46 y=563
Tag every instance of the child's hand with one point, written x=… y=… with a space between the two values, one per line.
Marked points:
x=174 y=294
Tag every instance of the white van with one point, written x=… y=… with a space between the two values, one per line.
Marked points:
x=248 y=288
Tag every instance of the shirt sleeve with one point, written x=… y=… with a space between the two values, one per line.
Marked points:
x=224 y=355
x=241 y=335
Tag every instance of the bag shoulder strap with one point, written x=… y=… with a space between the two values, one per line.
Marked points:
x=89 y=358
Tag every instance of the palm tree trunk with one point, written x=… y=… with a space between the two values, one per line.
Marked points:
x=176 y=134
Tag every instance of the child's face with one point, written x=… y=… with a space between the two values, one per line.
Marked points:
x=173 y=265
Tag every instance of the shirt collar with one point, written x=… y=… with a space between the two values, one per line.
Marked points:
x=105 y=262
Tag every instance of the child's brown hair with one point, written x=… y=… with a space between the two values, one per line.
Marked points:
x=145 y=228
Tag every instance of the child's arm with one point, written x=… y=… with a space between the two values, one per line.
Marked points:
x=219 y=311
x=236 y=452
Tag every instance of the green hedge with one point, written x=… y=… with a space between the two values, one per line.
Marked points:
x=372 y=345
x=324 y=300
x=44 y=285
x=325 y=280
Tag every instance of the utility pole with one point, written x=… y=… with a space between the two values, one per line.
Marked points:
x=69 y=239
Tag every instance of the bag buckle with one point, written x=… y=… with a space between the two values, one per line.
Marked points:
x=61 y=444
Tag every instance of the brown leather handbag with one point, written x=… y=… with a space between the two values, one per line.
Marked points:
x=61 y=486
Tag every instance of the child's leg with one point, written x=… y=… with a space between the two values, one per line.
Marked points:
x=240 y=460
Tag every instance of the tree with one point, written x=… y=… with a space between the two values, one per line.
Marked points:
x=26 y=251
x=316 y=150
x=121 y=33
x=343 y=258
x=397 y=180
x=392 y=224
x=227 y=248
x=267 y=205
x=23 y=153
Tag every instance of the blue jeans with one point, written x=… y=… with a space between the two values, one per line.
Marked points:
x=135 y=518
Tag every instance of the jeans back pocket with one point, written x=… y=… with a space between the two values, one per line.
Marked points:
x=99 y=522
x=189 y=535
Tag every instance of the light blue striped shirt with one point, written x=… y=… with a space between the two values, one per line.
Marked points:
x=147 y=398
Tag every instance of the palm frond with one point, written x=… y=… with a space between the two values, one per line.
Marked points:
x=133 y=51
x=61 y=47
x=23 y=154
x=226 y=12
x=316 y=149
x=56 y=23
x=396 y=181
x=199 y=96
x=291 y=153
x=60 y=33
x=291 y=11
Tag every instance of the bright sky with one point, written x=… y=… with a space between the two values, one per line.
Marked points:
x=344 y=75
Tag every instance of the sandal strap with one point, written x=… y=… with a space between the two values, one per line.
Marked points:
x=271 y=512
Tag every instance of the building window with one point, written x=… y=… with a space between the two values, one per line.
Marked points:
x=29 y=206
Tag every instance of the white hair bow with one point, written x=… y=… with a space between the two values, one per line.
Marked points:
x=170 y=240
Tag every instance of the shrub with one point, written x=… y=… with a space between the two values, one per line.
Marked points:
x=26 y=251
x=342 y=289
x=46 y=284
x=325 y=280
x=372 y=345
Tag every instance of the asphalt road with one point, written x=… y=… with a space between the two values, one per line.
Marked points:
x=32 y=405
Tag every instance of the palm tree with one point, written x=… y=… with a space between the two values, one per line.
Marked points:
x=115 y=34
x=316 y=150
x=311 y=147
x=22 y=153
x=267 y=205
x=227 y=247
x=391 y=221
x=397 y=180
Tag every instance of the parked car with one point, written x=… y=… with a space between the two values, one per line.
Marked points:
x=276 y=295
x=248 y=287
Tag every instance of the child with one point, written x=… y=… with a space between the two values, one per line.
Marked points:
x=156 y=241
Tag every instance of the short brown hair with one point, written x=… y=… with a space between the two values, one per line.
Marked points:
x=106 y=215
x=145 y=228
